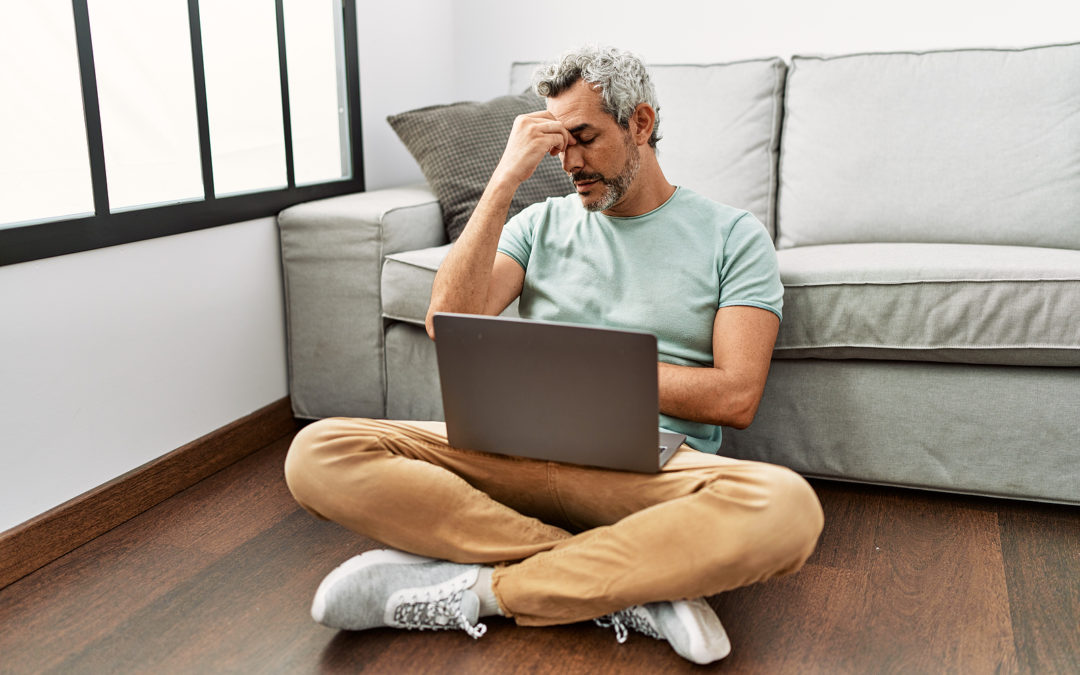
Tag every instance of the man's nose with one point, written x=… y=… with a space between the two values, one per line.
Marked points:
x=572 y=159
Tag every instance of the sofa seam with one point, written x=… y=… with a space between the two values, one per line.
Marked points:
x=836 y=57
x=408 y=263
x=953 y=488
x=394 y=209
x=785 y=113
x=929 y=347
x=775 y=147
x=921 y=282
x=289 y=344
x=385 y=384
x=402 y=319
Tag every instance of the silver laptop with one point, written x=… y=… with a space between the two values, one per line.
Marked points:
x=552 y=391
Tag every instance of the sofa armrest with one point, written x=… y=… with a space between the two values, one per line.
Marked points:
x=332 y=253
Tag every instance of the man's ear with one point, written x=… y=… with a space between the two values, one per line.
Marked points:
x=642 y=122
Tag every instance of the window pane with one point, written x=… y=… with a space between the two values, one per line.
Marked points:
x=314 y=48
x=243 y=95
x=45 y=170
x=142 y=55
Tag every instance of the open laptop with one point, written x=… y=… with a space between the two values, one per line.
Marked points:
x=552 y=391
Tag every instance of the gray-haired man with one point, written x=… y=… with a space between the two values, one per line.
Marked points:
x=550 y=543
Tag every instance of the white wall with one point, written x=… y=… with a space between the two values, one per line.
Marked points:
x=490 y=34
x=113 y=357
x=406 y=61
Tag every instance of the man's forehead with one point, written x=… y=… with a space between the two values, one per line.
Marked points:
x=579 y=107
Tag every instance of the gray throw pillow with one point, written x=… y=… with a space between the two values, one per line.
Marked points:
x=459 y=145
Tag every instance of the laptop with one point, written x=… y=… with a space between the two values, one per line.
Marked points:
x=552 y=391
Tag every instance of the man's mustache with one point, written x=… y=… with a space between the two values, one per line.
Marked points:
x=581 y=176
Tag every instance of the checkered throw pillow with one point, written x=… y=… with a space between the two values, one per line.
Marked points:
x=458 y=146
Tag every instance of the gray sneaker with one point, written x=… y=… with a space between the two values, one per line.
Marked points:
x=399 y=590
x=691 y=627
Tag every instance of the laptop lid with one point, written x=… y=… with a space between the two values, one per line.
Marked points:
x=551 y=391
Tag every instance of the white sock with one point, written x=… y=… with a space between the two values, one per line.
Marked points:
x=489 y=606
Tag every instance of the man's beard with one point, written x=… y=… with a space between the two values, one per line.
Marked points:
x=616 y=188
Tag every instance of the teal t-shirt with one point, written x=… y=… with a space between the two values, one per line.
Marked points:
x=665 y=272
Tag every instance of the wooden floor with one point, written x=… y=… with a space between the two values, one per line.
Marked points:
x=220 y=577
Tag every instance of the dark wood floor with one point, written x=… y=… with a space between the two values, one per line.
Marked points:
x=220 y=577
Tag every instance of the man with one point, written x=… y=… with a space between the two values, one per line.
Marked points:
x=550 y=543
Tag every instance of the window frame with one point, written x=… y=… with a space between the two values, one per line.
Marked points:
x=52 y=237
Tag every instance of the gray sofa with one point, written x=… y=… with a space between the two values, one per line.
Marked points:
x=926 y=211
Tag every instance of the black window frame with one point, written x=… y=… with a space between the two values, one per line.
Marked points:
x=61 y=236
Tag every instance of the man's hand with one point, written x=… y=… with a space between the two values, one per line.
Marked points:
x=533 y=136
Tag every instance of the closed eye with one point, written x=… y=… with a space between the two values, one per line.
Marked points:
x=583 y=133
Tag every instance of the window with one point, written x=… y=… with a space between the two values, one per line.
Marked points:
x=142 y=60
x=243 y=95
x=316 y=85
x=128 y=119
x=44 y=170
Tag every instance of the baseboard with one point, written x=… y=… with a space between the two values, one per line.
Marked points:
x=44 y=538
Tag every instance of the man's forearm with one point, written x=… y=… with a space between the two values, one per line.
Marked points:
x=463 y=282
x=464 y=278
x=704 y=394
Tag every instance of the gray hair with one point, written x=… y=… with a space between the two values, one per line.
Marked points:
x=619 y=76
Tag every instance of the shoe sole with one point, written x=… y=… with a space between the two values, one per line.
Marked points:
x=708 y=641
x=355 y=564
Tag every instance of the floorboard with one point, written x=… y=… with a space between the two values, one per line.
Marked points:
x=1044 y=591
x=219 y=579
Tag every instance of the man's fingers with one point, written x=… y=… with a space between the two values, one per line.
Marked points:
x=533 y=136
x=543 y=129
x=549 y=126
x=541 y=114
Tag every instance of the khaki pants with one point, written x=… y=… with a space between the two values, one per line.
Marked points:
x=577 y=542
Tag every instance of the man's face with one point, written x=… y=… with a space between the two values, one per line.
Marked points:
x=603 y=160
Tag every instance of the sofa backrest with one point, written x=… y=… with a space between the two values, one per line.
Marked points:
x=973 y=146
x=720 y=127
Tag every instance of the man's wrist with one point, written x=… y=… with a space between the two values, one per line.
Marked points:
x=502 y=182
x=501 y=188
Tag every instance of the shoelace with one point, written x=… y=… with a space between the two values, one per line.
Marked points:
x=423 y=612
x=624 y=618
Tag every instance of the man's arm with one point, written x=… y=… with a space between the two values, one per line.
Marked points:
x=473 y=279
x=730 y=391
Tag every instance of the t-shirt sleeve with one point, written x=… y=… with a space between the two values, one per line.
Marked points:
x=749 y=273
x=517 y=236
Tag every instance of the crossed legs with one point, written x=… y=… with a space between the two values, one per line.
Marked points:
x=571 y=543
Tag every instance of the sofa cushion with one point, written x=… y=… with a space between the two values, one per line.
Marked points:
x=413 y=391
x=458 y=146
x=721 y=128
x=1007 y=305
x=992 y=430
x=975 y=146
x=406 y=284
